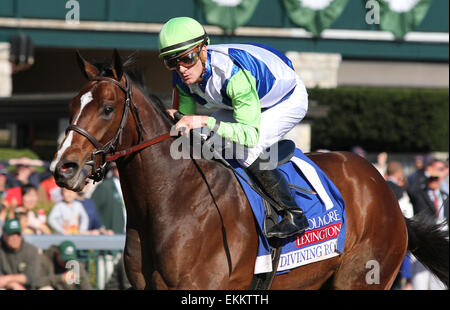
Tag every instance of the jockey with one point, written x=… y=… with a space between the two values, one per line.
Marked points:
x=259 y=96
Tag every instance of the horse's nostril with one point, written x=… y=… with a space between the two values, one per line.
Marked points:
x=68 y=166
x=67 y=169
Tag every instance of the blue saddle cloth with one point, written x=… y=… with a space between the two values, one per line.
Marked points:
x=325 y=212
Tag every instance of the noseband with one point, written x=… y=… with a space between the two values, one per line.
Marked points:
x=107 y=152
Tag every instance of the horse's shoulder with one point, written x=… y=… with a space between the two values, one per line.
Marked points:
x=335 y=156
x=340 y=162
x=215 y=169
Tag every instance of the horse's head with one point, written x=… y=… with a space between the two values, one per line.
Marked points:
x=97 y=115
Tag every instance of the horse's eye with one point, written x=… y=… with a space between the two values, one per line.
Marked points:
x=107 y=110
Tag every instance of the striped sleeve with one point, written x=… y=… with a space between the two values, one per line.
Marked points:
x=241 y=89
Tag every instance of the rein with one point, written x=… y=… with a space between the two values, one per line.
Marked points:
x=133 y=149
x=107 y=152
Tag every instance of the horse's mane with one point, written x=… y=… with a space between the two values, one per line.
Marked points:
x=131 y=68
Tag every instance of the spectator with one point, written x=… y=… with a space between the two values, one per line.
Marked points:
x=7 y=210
x=34 y=224
x=13 y=195
x=21 y=215
x=9 y=204
x=396 y=181
x=19 y=260
x=21 y=201
x=419 y=170
x=429 y=202
x=381 y=164
x=419 y=162
x=445 y=182
x=359 y=151
x=110 y=205
x=49 y=191
x=55 y=267
x=429 y=199
x=95 y=226
x=68 y=216
x=4 y=205
x=25 y=171
x=419 y=178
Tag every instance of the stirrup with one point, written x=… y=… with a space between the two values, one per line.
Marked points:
x=291 y=224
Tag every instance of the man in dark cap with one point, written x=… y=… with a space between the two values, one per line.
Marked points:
x=62 y=271
x=19 y=260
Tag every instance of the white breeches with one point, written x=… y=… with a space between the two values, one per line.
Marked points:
x=276 y=122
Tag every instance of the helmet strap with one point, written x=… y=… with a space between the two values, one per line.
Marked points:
x=203 y=61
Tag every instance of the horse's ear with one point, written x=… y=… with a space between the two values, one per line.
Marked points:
x=117 y=66
x=88 y=69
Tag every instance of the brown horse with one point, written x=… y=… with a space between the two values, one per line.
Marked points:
x=189 y=224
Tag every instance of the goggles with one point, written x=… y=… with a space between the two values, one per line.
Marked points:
x=187 y=59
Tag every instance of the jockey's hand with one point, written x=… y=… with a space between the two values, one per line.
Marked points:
x=171 y=112
x=189 y=122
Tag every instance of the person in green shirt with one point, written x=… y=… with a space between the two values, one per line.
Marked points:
x=110 y=204
x=61 y=269
x=19 y=260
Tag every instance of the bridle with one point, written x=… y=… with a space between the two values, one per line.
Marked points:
x=107 y=152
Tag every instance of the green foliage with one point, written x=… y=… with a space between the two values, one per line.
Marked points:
x=8 y=153
x=382 y=119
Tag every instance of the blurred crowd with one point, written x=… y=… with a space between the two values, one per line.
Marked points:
x=32 y=204
x=423 y=193
x=44 y=208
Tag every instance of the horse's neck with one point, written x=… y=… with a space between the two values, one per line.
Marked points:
x=154 y=125
x=148 y=177
x=152 y=119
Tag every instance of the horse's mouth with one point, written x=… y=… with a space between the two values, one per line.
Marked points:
x=69 y=175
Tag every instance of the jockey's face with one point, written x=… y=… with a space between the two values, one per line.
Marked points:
x=191 y=75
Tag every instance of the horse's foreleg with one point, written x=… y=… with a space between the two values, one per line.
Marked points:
x=133 y=259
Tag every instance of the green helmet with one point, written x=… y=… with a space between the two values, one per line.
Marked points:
x=180 y=34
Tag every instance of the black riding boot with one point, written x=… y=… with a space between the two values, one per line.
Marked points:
x=273 y=183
